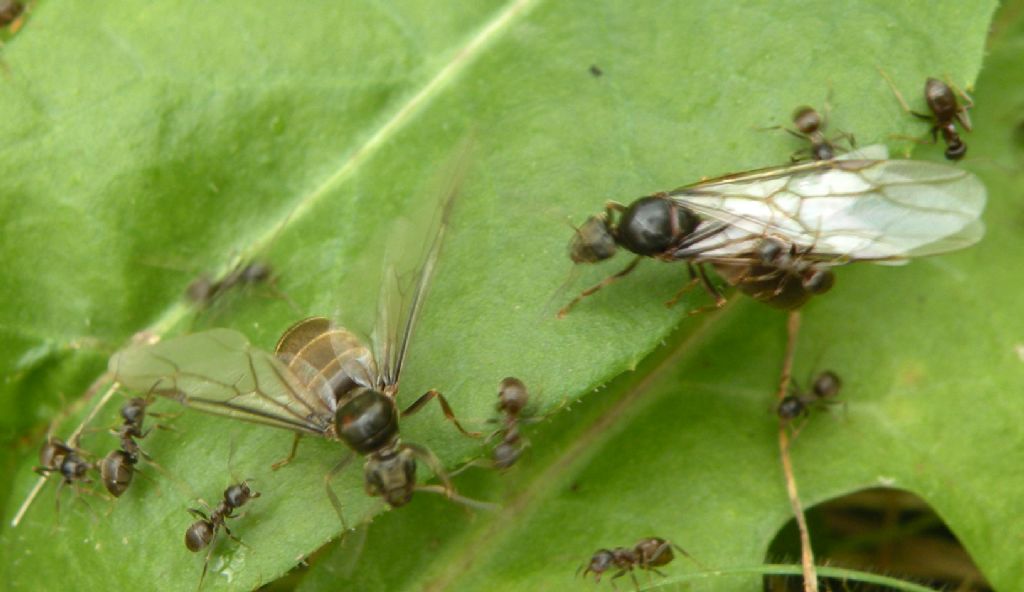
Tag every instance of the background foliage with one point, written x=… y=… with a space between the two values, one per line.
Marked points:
x=146 y=143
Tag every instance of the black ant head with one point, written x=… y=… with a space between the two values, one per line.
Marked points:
x=237 y=495
x=791 y=407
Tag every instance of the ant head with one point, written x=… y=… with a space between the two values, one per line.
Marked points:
x=135 y=409
x=52 y=453
x=238 y=494
x=593 y=241
x=601 y=562
x=255 y=272
x=392 y=476
x=790 y=407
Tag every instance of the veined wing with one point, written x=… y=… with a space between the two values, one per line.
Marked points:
x=405 y=285
x=850 y=209
x=221 y=373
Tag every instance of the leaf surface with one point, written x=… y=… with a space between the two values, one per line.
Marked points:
x=207 y=134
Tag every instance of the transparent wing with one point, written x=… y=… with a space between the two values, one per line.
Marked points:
x=329 y=361
x=410 y=263
x=850 y=209
x=221 y=373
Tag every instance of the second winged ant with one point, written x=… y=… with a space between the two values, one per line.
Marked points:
x=775 y=233
x=321 y=380
x=648 y=554
x=202 y=532
x=946 y=112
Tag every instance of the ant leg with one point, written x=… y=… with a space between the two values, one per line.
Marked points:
x=710 y=288
x=694 y=280
x=961 y=112
x=916 y=139
x=614 y=576
x=291 y=454
x=683 y=552
x=330 y=492
x=430 y=459
x=632 y=576
x=446 y=489
x=477 y=462
x=661 y=550
x=43 y=471
x=898 y=94
x=232 y=536
x=798 y=424
x=842 y=404
x=60 y=485
x=603 y=284
x=796 y=134
x=845 y=136
x=206 y=565
x=613 y=206
x=198 y=513
x=448 y=413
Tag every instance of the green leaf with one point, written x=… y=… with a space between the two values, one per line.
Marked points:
x=203 y=134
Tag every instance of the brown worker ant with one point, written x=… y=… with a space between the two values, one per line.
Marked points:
x=118 y=468
x=648 y=554
x=202 y=532
x=512 y=399
x=810 y=126
x=946 y=112
x=68 y=460
x=823 y=392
